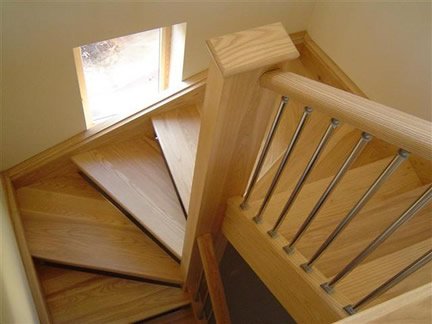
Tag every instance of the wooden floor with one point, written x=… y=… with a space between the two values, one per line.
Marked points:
x=81 y=297
x=134 y=175
x=90 y=232
x=177 y=132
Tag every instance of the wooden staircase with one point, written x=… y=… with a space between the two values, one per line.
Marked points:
x=111 y=221
x=107 y=236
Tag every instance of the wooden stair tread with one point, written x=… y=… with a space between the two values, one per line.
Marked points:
x=133 y=174
x=181 y=316
x=370 y=275
x=91 y=233
x=178 y=132
x=80 y=297
x=391 y=200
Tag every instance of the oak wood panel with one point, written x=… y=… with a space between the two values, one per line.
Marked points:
x=252 y=49
x=298 y=292
x=386 y=123
x=79 y=297
x=91 y=233
x=411 y=307
x=134 y=175
x=234 y=117
x=190 y=92
x=32 y=277
x=213 y=279
x=178 y=132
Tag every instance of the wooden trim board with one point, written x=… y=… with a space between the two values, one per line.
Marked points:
x=213 y=279
x=32 y=277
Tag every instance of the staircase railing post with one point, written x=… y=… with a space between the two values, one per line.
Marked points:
x=234 y=119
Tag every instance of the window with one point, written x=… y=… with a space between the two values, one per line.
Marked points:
x=123 y=75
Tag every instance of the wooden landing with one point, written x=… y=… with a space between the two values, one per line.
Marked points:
x=178 y=132
x=80 y=297
x=133 y=174
x=91 y=233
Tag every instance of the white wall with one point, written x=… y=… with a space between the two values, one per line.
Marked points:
x=384 y=47
x=16 y=304
x=42 y=104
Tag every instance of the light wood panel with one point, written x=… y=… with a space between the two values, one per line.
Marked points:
x=178 y=132
x=32 y=277
x=234 y=117
x=298 y=292
x=91 y=233
x=252 y=49
x=133 y=173
x=213 y=279
x=411 y=307
x=386 y=123
x=79 y=297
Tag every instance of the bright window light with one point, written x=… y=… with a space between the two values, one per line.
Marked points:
x=123 y=75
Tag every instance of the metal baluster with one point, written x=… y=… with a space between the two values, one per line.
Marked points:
x=413 y=267
x=269 y=139
x=300 y=183
x=358 y=148
x=198 y=291
x=211 y=316
x=424 y=199
x=203 y=313
x=393 y=165
x=285 y=158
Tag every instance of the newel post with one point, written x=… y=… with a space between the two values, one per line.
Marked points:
x=234 y=118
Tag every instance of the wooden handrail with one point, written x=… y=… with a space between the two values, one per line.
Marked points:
x=213 y=279
x=391 y=125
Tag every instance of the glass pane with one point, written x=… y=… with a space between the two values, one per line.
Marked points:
x=121 y=74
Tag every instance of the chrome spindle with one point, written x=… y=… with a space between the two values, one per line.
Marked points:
x=198 y=291
x=211 y=316
x=285 y=158
x=413 y=267
x=358 y=148
x=203 y=313
x=393 y=165
x=300 y=183
x=268 y=141
x=424 y=199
